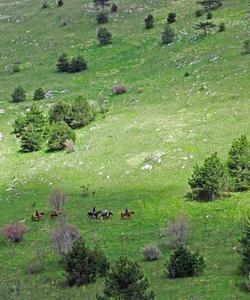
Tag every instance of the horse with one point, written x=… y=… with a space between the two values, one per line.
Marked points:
x=107 y=215
x=37 y=217
x=55 y=213
x=97 y=215
x=128 y=215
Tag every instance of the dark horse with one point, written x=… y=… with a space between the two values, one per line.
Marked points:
x=92 y=215
x=107 y=215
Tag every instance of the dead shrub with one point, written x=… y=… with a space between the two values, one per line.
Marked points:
x=13 y=232
x=151 y=252
x=119 y=89
x=57 y=199
x=69 y=146
x=178 y=231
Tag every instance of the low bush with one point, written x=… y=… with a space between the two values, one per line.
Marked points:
x=119 y=89
x=151 y=252
x=114 y=8
x=209 y=15
x=149 y=21
x=45 y=5
x=13 y=232
x=104 y=36
x=16 y=68
x=198 y=13
x=246 y=47
x=60 y=3
x=171 y=18
x=18 y=94
x=63 y=64
x=69 y=146
x=32 y=138
x=59 y=112
x=77 y=64
x=39 y=94
x=102 y=18
x=167 y=36
x=221 y=27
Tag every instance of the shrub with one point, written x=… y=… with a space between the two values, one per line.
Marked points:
x=77 y=64
x=13 y=232
x=126 y=281
x=119 y=89
x=178 y=231
x=57 y=199
x=45 y=5
x=239 y=163
x=103 y=264
x=69 y=146
x=246 y=47
x=247 y=282
x=39 y=94
x=64 y=236
x=208 y=181
x=245 y=249
x=31 y=139
x=80 y=114
x=59 y=3
x=114 y=8
x=198 y=13
x=16 y=68
x=104 y=36
x=209 y=15
x=63 y=63
x=18 y=94
x=171 y=18
x=101 y=3
x=102 y=18
x=184 y=263
x=80 y=264
x=36 y=264
x=59 y=112
x=58 y=134
x=151 y=252
x=167 y=36
x=221 y=27
x=149 y=21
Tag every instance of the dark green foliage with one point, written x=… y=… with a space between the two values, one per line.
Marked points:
x=31 y=139
x=101 y=3
x=167 y=36
x=80 y=113
x=45 y=5
x=126 y=281
x=184 y=263
x=171 y=18
x=103 y=264
x=102 y=18
x=209 y=15
x=104 y=36
x=77 y=64
x=149 y=21
x=198 y=13
x=60 y=3
x=210 y=4
x=221 y=27
x=246 y=47
x=205 y=26
x=58 y=134
x=245 y=249
x=239 y=163
x=16 y=68
x=114 y=8
x=18 y=94
x=39 y=94
x=208 y=181
x=63 y=63
x=59 y=112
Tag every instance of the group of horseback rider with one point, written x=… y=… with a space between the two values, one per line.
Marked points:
x=104 y=214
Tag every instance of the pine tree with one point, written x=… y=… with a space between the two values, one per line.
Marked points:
x=239 y=163
x=104 y=36
x=114 y=8
x=63 y=63
x=167 y=36
x=101 y=3
x=31 y=139
x=245 y=249
x=205 y=26
x=210 y=4
x=102 y=18
x=18 y=94
x=171 y=18
x=149 y=21
x=77 y=64
x=39 y=94
x=60 y=3
x=221 y=27
x=59 y=133
x=59 y=112
x=126 y=281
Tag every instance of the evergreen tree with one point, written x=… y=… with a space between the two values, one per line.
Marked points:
x=104 y=36
x=63 y=63
x=205 y=26
x=149 y=21
x=59 y=133
x=239 y=163
x=246 y=47
x=39 y=94
x=102 y=18
x=31 y=139
x=184 y=263
x=167 y=36
x=221 y=27
x=114 y=8
x=59 y=112
x=207 y=181
x=245 y=249
x=210 y=4
x=60 y=3
x=126 y=281
x=101 y=3
x=77 y=64
x=18 y=94
x=171 y=18
x=209 y=15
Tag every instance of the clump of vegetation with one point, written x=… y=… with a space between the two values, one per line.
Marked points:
x=178 y=231
x=45 y=5
x=221 y=27
x=245 y=249
x=198 y=13
x=102 y=262
x=57 y=199
x=39 y=94
x=208 y=181
x=58 y=134
x=37 y=263
x=59 y=112
x=60 y=3
x=82 y=265
x=167 y=36
x=184 y=263
x=32 y=138
x=126 y=281
x=63 y=63
x=119 y=89
x=77 y=64
x=101 y=3
x=114 y=8
x=151 y=252
x=16 y=68
x=18 y=94
x=209 y=15
x=69 y=146
x=205 y=26
x=104 y=36
x=149 y=21
x=239 y=163
x=246 y=47
x=102 y=18
x=171 y=17
x=14 y=232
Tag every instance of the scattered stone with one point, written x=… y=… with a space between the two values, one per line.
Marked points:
x=2 y=136
x=147 y=167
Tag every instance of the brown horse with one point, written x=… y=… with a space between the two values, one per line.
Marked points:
x=128 y=215
x=55 y=213
x=37 y=217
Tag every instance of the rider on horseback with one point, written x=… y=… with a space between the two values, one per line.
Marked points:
x=94 y=211
x=106 y=213
x=126 y=211
x=37 y=213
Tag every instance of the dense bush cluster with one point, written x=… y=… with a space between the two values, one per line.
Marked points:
x=77 y=64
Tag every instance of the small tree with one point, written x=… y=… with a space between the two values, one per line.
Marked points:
x=151 y=252
x=178 y=231
x=18 y=94
x=59 y=3
x=209 y=15
x=246 y=47
x=245 y=249
x=57 y=199
x=184 y=263
x=149 y=21
x=221 y=27
x=210 y=4
x=39 y=94
x=77 y=64
x=198 y=13
x=207 y=181
x=126 y=281
x=63 y=63
x=171 y=17
x=102 y=18
x=114 y=8
x=167 y=36
x=205 y=26
x=59 y=112
x=104 y=36
x=13 y=232
x=58 y=134
x=101 y=3
x=31 y=139
x=239 y=163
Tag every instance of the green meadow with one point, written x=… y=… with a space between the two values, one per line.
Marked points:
x=183 y=118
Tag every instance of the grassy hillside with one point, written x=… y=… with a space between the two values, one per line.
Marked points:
x=185 y=117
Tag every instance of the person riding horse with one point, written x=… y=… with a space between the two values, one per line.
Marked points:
x=94 y=212
x=37 y=213
x=126 y=211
